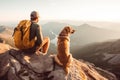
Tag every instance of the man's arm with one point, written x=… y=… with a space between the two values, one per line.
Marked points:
x=39 y=36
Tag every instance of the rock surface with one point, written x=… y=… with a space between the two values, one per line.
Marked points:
x=106 y=55
x=16 y=65
x=4 y=47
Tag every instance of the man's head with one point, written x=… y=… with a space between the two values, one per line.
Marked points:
x=34 y=16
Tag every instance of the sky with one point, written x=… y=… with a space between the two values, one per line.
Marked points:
x=79 y=10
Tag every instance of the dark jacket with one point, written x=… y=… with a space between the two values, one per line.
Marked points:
x=35 y=31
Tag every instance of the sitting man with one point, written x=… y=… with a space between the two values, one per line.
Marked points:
x=41 y=44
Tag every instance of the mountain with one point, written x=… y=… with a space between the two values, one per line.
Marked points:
x=89 y=34
x=16 y=65
x=85 y=34
x=6 y=34
x=104 y=54
x=6 y=30
x=114 y=26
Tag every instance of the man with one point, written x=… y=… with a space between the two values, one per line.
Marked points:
x=41 y=44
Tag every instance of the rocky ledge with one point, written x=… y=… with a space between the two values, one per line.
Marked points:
x=16 y=65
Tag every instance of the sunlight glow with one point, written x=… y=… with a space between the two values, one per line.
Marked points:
x=85 y=10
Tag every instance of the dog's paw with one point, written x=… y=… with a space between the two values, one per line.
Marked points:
x=58 y=61
x=66 y=69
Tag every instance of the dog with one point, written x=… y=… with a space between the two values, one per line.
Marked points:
x=63 y=57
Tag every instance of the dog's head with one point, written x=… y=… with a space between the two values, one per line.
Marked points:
x=67 y=31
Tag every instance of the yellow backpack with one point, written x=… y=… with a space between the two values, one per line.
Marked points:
x=21 y=35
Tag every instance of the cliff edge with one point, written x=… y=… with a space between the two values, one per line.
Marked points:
x=16 y=65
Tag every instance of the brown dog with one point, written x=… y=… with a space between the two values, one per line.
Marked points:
x=64 y=57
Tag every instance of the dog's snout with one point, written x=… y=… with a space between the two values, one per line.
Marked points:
x=73 y=31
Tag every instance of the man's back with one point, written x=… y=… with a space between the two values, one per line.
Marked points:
x=35 y=31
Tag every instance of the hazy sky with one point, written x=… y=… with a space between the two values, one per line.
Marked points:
x=86 y=10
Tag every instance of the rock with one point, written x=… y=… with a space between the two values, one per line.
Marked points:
x=107 y=61
x=4 y=63
x=105 y=55
x=24 y=66
x=4 y=48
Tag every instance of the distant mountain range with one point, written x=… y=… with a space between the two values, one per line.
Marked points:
x=85 y=34
x=89 y=34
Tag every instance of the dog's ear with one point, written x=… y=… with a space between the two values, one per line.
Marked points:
x=67 y=29
x=70 y=29
x=63 y=32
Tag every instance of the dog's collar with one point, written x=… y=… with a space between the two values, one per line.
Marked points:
x=66 y=37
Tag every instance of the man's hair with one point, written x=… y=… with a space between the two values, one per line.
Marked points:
x=34 y=15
